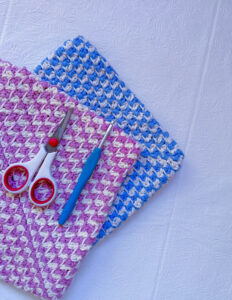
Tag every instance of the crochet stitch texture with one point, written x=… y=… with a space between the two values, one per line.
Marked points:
x=80 y=71
x=36 y=254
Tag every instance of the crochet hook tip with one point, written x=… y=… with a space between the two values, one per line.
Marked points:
x=106 y=134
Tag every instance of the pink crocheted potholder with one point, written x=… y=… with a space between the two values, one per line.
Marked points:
x=36 y=254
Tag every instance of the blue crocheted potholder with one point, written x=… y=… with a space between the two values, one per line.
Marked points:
x=80 y=71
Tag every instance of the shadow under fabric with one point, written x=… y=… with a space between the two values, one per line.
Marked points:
x=36 y=254
x=78 y=69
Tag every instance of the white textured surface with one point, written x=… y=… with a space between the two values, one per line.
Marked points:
x=176 y=56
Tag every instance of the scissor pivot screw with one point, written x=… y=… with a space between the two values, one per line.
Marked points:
x=53 y=142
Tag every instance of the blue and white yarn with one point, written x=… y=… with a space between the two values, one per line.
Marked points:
x=80 y=71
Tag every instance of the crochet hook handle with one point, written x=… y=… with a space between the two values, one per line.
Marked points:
x=84 y=177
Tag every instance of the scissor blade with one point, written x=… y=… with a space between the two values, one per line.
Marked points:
x=59 y=131
x=61 y=128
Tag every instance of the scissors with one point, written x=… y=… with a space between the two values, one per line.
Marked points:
x=36 y=173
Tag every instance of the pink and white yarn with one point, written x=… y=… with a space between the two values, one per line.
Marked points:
x=36 y=254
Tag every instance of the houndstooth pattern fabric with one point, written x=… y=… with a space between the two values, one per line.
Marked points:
x=80 y=71
x=36 y=254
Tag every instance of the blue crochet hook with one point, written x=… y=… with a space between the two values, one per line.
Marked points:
x=84 y=177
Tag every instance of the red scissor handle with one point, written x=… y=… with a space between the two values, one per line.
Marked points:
x=42 y=191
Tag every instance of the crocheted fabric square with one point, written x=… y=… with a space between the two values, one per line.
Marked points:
x=83 y=73
x=36 y=254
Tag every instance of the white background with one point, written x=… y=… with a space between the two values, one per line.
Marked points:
x=177 y=57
